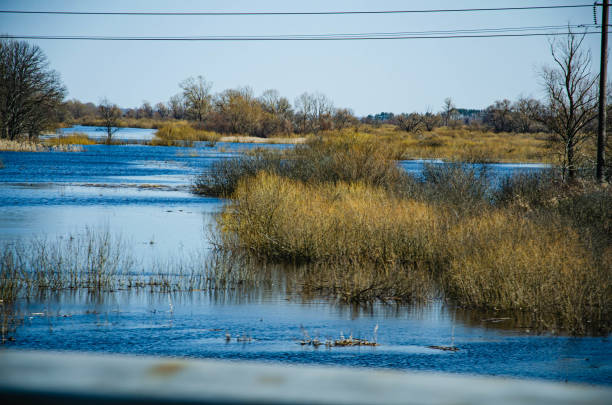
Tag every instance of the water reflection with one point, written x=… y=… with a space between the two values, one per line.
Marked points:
x=196 y=323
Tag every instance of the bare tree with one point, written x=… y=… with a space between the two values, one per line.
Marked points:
x=110 y=115
x=448 y=111
x=176 y=106
x=344 y=118
x=412 y=122
x=304 y=106
x=430 y=120
x=500 y=115
x=29 y=91
x=161 y=110
x=278 y=112
x=571 y=97
x=524 y=109
x=314 y=112
x=147 y=110
x=197 y=97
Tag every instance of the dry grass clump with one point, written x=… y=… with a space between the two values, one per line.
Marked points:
x=364 y=242
x=464 y=145
x=351 y=157
x=582 y=204
x=504 y=261
x=180 y=133
x=279 y=218
x=76 y=138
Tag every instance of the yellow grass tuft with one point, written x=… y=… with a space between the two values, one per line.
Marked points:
x=180 y=133
x=76 y=138
x=367 y=243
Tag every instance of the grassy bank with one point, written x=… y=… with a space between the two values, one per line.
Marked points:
x=461 y=144
x=366 y=230
x=182 y=134
x=32 y=146
x=464 y=145
x=350 y=157
x=76 y=138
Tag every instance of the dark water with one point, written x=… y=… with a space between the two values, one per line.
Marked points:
x=141 y=193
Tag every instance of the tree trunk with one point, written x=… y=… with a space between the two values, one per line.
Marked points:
x=571 y=168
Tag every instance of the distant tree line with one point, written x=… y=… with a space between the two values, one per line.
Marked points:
x=233 y=111
x=32 y=94
x=501 y=116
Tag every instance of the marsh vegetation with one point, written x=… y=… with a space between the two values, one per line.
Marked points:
x=367 y=230
x=99 y=262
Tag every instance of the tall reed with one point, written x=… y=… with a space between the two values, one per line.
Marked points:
x=369 y=243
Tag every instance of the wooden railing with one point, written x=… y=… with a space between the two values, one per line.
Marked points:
x=77 y=378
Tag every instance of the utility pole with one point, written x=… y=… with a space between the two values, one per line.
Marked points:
x=601 y=128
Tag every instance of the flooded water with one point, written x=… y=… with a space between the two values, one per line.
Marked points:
x=122 y=134
x=142 y=194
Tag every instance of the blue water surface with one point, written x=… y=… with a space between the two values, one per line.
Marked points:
x=142 y=193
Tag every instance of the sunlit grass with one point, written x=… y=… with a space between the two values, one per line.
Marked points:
x=76 y=138
x=23 y=145
x=368 y=244
x=182 y=134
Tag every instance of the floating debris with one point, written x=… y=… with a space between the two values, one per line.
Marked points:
x=445 y=348
x=342 y=342
x=313 y=342
x=351 y=341
x=240 y=339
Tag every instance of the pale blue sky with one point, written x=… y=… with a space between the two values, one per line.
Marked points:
x=367 y=76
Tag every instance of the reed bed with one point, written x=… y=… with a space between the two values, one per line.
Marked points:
x=77 y=138
x=180 y=133
x=506 y=261
x=363 y=230
x=31 y=146
x=280 y=218
x=99 y=262
x=351 y=158
x=463 y=145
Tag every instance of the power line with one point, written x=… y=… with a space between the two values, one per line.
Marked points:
x=286 y=13
x=284 y=38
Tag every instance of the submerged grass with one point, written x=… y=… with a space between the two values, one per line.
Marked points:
x=99 y=262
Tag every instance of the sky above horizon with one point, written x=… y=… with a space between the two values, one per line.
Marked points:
x=367 y=76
